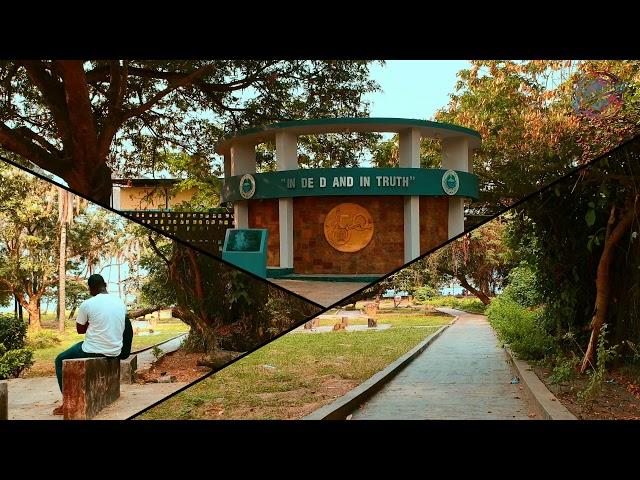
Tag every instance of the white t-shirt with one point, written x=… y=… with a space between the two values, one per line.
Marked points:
x=105 y=314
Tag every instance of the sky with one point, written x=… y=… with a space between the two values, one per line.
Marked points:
x=414 y=88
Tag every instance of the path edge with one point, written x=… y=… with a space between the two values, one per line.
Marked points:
x=546 y=403
x=339 y=409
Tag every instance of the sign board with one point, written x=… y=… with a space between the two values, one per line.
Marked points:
x=247 y=249
x=350 y=181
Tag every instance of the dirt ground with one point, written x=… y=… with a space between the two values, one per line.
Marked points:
x=181 y=364
x=618 y=400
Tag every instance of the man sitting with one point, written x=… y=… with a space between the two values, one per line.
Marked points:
x=102 y=319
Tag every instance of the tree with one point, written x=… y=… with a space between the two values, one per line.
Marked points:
x=478 y=260
x=531 y=131
x=29 y=264
x=227 y=309
x=65 y=216
x=80 y=120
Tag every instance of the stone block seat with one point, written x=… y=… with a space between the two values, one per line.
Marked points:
x=89 y=385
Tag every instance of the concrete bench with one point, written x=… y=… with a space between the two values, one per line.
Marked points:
x=88 y=386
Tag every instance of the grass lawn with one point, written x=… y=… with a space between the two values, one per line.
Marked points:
x=298 y=373
x=44 y=357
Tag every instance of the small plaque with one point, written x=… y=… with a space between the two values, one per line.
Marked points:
x=244 y=240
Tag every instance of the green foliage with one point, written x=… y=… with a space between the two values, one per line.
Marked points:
x=471 y=305
x=521 y=328
x=597 y=374
x=194 y=343
x=521 y=287
x=564 y=368
x=424 y=293
x=13 y=332
x=188 y=104
x=14 y=361
x=157 y=352
x=44 y=339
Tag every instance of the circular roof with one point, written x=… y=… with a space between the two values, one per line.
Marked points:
x=347 y=124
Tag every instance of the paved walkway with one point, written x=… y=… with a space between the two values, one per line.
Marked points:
x=35 y=398
x=323 y=293
x=462 y=375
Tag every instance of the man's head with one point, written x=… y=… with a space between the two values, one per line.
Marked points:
x=96 y=284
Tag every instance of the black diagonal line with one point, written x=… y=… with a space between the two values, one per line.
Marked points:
x=528 y=197
x=159 y=231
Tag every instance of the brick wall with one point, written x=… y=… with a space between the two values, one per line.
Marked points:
x=264 y=214
x=434 y=222
x=385 y=252
x=313 y=254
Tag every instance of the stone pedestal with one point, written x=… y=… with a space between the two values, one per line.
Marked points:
x=128 y=368
x=4 y=401
x=89 y=385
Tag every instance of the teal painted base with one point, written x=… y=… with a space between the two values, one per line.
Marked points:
x=276 y=272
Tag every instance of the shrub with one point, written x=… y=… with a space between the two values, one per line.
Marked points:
x=521 y=287
x=422 y=294
x=13 y=362
x=472 y=305
x=604 y=355
x=564 y=369
x=13 y=332
x=521 y=328
x=43 y=339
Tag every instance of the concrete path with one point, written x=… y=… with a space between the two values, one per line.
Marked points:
x=323 y=293
x=462 y=375
x=146 y=358
x=35 y=398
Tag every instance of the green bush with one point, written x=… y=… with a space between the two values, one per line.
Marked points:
x=521 y=287
x=13 y=362
x=564 y=369
x=472 y=305
x=43 y=339
x=521 y=328
x=13 y=331
x=422 y=294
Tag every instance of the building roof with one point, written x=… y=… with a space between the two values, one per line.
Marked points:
x=145 y=182
x=348 y=124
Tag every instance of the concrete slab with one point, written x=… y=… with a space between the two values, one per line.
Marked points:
x=146 y=357
x=323 y=293
x=35 y=398
x=464 y=374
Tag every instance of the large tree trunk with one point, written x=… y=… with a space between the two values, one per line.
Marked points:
x=483 y=297
x=34 y=314
x=603 y=285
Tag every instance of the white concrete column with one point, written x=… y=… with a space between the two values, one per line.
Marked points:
x=227 y=165
x=455 y=156
x=409 y=157
x=242 y=160
x=115 y=197
x=286 y=159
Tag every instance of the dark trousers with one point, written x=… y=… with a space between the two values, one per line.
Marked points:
x=75 y=351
